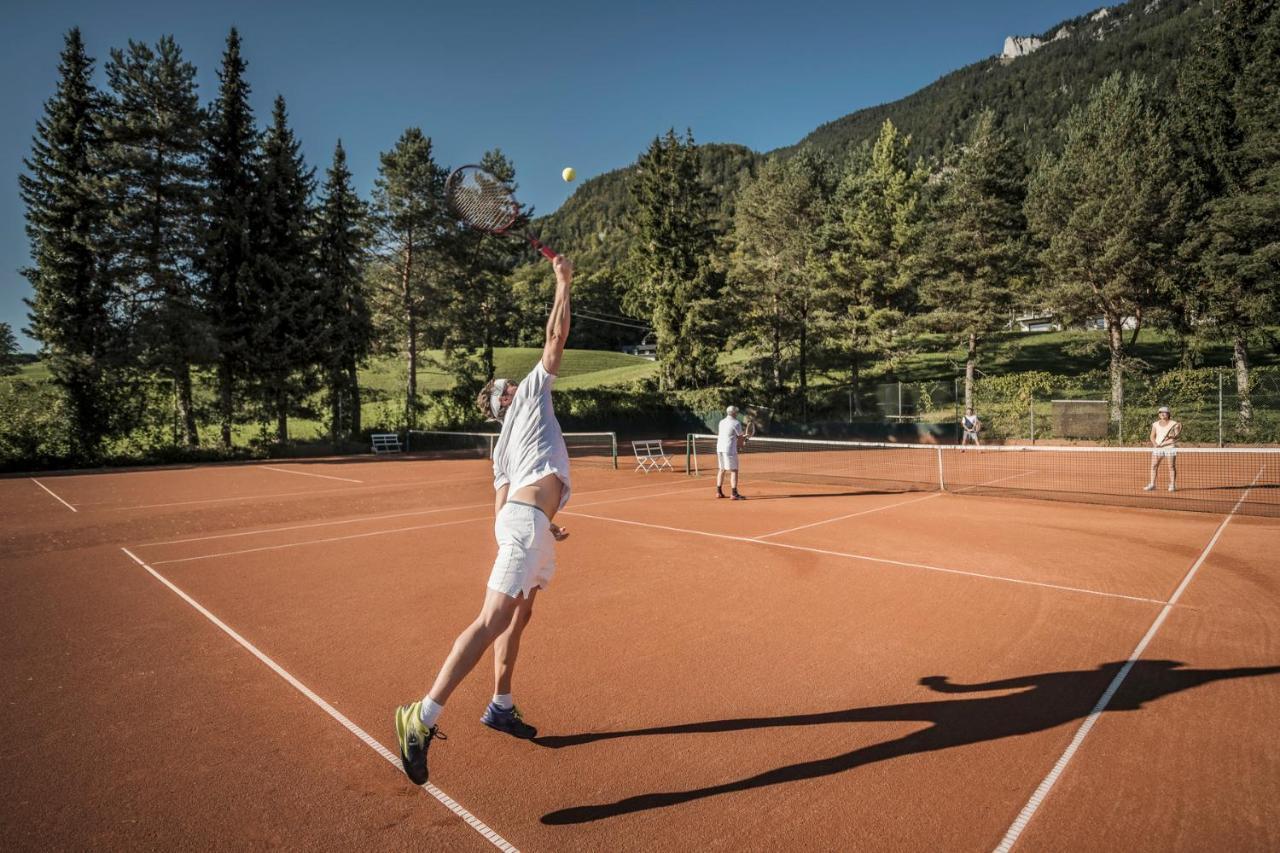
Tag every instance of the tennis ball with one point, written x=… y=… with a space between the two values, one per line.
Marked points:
x=568 y=174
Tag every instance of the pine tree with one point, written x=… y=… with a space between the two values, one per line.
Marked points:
x=412 y=228
x=1228 y=116
x=475 y=299
x=975 y=252
x=227 y=251
x=347 y=330
x=876 y=232
x=1109 y=211
x=671 y=268
x=74 y=304
x=155 y=186
x=282 y=277
x=777 y=268
x=8 y=351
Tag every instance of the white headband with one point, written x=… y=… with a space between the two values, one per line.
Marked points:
x=495 y=397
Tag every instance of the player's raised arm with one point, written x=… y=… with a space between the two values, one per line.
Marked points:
x=558 y=320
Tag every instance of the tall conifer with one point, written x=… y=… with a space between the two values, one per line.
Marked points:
x=154 y=140
x=74 y=305
x=227 y=250
x=346 y=328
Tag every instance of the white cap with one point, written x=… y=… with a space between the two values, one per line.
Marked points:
x=1164 y=409
x=731 y=411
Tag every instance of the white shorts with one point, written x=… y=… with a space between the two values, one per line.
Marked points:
x=526 y=550
x=728 y=461
x=1165 y=453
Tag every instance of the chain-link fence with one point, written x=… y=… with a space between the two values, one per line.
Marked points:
x=1043 y=407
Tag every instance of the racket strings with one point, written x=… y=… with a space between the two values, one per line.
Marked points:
x=482 y=201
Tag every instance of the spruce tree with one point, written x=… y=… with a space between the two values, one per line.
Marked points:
x=876 y=231
x=282 y=277
x=475 y=300
x=974 y=257
x=671 y=268
x=8 y=351
x=346 y=330
x=777 y=268
x=154 y=139
x=1228 y=119
x=227 y=250
x=410 y=244
x=1109 y=211
x=74 y=304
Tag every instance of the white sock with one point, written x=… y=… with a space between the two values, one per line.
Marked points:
x=430 y=711
x=503 y=701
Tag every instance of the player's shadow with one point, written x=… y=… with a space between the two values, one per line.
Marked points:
x=1042 y=701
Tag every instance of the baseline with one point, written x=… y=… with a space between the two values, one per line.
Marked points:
x=475 y=823
x=308 y=474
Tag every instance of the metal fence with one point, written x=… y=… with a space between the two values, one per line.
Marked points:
x=1029 y=407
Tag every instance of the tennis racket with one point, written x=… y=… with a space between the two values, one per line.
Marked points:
x=486 y=203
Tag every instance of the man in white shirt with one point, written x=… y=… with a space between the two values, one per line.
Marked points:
x=531 y=482
x=729 y=438
x=1164 y=438
x=971 y=426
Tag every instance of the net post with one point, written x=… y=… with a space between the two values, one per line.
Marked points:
x=613 y=441
x=942 y=483
x=688 y=454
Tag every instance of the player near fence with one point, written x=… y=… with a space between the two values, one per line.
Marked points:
x=531 y=481
x=970 y=425
x=1164 y=438
x=729 y=440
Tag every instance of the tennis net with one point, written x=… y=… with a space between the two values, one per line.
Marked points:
x=1218 y=480
x=588 y=448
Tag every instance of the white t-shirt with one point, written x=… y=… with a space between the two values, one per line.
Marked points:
x=531 y=445
x=1162 y=432
x=970 y=423
x=727 y=435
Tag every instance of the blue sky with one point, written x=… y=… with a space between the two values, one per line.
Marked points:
x=553 y=84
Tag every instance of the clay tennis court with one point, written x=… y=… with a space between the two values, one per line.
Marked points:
x=209 y=657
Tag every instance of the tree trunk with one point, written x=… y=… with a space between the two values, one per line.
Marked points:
x=282 y=413
x=411 y=389
x=1137 y=326
x=804 y=376
x=1240 y=358
x=1115 y=336
x=854 y=385
x=186 y=410
x=337 y=395
x=226 y=384
x=970 y=365
x=353 y=409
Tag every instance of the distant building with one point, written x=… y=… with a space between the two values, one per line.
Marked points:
x=1036 y=322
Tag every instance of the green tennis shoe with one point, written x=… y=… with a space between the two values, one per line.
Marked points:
x=415 y=739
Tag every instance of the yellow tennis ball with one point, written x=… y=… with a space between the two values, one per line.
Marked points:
x=568 y=174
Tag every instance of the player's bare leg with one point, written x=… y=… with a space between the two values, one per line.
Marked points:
x=502 y=713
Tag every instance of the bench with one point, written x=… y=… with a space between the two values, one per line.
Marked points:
x=386 y=442
x=650 y=456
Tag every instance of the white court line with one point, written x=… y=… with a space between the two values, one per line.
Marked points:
x=328 y=539
x=850 y=515
x=1046 y=784
x=475 y=823
x=381 y=517
x=308 y=474
x=337 y=490
x=963 y=489
x=55 y=497
x=870 y=559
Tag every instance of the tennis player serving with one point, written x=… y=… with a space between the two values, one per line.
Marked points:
x=531 y=481
x=1164 y=438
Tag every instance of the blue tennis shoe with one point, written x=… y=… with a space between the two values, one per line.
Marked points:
x=507 y=720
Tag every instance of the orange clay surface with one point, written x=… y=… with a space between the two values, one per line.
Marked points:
x=805 y=670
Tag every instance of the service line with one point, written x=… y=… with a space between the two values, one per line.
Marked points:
x=55 y=497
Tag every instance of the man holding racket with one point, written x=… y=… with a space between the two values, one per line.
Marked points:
x=729 y=439
x=1164 y=438
x=531 y=481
